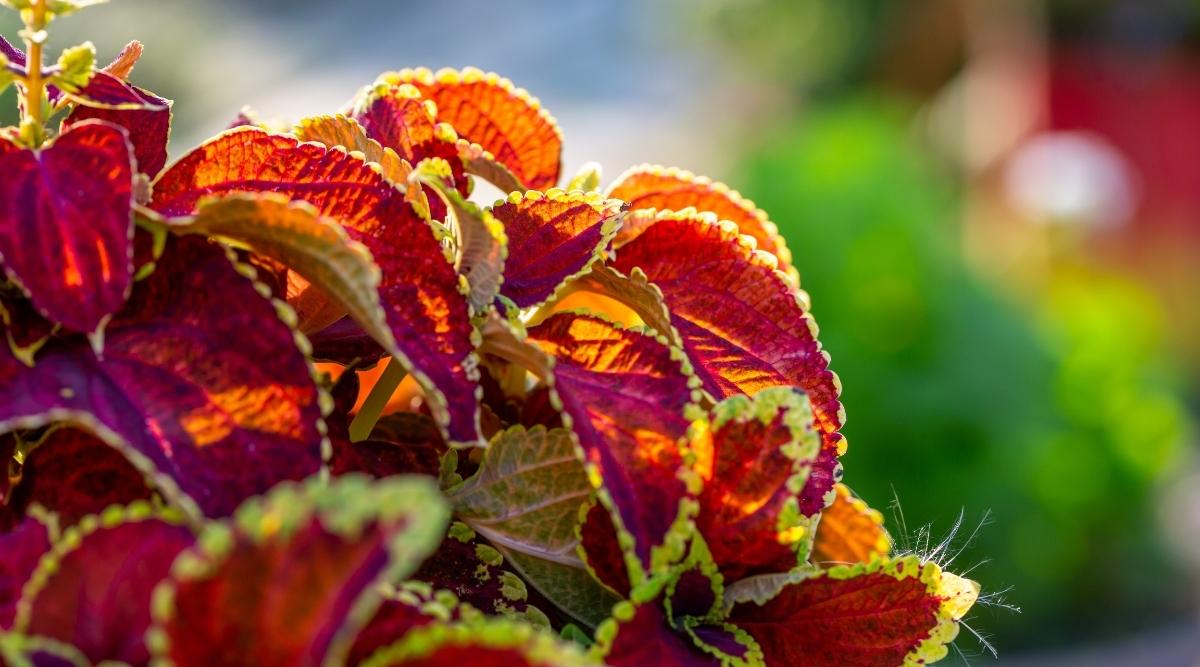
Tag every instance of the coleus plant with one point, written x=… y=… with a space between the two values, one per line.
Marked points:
x=619 y=444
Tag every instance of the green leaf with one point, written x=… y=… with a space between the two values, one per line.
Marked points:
x=65 y=7
x=75 y=67
x=314 y=247
x=572 y=589
x=525 y=500
x=588 y=178
x=6 y=75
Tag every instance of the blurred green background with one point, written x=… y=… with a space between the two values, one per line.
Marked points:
x=994 y=205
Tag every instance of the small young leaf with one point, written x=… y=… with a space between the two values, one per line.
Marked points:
x=482 y=242
x=122 y=66
x=75 y=67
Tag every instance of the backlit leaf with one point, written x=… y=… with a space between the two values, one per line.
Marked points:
x=201 y=385
x=849 y=532
x=66 y=222
x=553 y=237
x=292 y=580
x=292 y=232
x=628 y=397
x=754 y=456
x=887 y=613
x=419 y=289
x=744 y=325
x=348 y=133
x=482 y=244
x=655 y=187
x=478 y=161
x=488 y=110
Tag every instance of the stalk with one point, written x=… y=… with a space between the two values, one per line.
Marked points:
x=377 y=400
x=34 y=84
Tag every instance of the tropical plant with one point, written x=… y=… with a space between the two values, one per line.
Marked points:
x=651 y=481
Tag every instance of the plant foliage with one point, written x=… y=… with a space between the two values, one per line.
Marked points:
x=624 y=449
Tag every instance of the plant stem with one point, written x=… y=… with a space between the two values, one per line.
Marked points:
x=34 y=85
x=368 y=415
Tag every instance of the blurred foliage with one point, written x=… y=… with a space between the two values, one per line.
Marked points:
x=1052 y=411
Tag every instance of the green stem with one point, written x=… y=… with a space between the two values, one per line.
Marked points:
x=372 y=408
x=34 y=84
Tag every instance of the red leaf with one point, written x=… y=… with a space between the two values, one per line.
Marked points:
x=22 y=549
x=654 y=187
x=399 y=119
x=66 y=222
x=98 y=584
x=402 y=611
x=419 y=288
x=628 y=396
x=640 y=636
x=743 y=324
x=754 y=457
x=105 y=91
x=552 y=237
x=849 y=532
x=73 y=474
x=885 y=614
x=489 y=642
x=602 y=552
x=149 y=128
x=295 y=578
x=27 y=330
x=200 y=382
x=486 y=109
